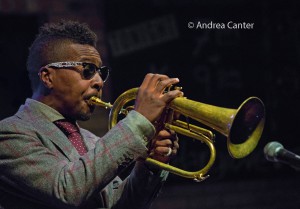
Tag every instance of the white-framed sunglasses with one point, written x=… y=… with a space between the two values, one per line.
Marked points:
x=88 y=72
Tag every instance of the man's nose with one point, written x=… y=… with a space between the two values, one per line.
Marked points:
x=97 y=82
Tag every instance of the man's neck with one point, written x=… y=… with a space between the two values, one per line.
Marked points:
x=47 y=100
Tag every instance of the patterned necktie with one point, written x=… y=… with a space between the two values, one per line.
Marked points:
x=72 y=132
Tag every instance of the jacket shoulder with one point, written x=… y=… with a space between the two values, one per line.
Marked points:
x=14 y=123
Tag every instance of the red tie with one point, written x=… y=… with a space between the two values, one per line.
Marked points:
x=72 y=132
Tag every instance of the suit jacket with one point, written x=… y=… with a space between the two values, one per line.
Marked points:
x=39 y=167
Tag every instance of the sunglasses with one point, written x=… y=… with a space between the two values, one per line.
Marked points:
x=88 y=72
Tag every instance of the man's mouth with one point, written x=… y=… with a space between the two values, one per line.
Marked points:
x=89 y=100
x=90 y=105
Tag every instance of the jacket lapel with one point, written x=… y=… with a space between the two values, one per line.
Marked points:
x=47 y=130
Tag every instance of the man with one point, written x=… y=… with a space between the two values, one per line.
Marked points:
x=41 y=168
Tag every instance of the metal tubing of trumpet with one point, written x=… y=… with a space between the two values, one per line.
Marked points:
x=118 y=106
x=210 y=115
x=195 y=129
x=197 y=175
x=242 y=127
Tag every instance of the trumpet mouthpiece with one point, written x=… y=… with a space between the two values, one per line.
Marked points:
x=97 y=101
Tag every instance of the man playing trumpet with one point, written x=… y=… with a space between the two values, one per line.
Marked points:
x=47 y=161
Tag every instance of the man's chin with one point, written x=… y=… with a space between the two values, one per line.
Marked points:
x=84 y=117
x=86 y=112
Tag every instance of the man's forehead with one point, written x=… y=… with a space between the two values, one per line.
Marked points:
x=84 y=52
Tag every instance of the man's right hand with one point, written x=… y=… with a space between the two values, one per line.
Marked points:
x=152 y=98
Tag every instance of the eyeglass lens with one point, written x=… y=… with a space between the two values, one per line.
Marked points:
x=91 y=69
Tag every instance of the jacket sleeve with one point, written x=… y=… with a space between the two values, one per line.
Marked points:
x=139 y=189
x=31 y=169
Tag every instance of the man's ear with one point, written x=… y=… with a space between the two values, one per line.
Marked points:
x=46 y=77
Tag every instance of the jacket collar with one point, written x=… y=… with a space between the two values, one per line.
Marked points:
x=43 y=116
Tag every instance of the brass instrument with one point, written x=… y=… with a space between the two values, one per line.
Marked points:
x=242 y=127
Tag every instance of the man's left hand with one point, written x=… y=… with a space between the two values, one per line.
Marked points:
x=164 y=146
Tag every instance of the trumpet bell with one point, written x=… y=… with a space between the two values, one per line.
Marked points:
x=242 y=127
x=246 y=128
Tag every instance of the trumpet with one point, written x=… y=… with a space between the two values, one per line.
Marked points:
x=243 y=127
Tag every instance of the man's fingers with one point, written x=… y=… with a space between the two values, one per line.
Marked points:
x=152 y=80
x=169 y=96
x=165 y=83
x=164 y=143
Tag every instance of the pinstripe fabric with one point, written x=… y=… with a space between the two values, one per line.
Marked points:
x=40 y=168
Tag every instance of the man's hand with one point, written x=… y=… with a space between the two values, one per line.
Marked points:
x=164 y=146
x=152 y=99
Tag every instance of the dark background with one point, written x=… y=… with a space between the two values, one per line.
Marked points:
x=216 y=66
x=222 y=67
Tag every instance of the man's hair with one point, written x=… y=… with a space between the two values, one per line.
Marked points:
x=49 y=44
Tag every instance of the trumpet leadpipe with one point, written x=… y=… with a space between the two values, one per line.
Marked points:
x=97 y=101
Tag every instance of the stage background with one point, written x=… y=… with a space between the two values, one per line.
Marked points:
x=222 y=67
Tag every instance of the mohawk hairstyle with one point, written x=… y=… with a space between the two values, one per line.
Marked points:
x=75 y=31
x=49 y=42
